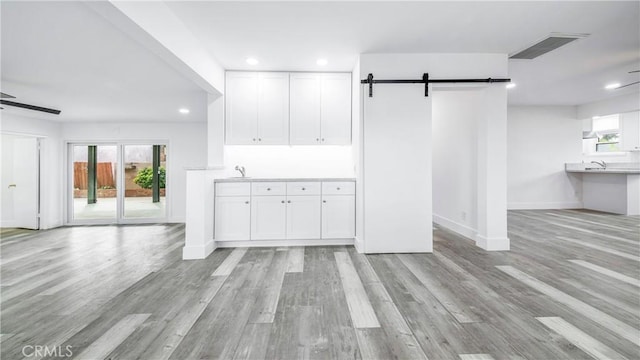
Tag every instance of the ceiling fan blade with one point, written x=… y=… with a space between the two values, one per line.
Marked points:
x=30 y=107
x=634 y=71
x=6 y=96
x=633 y=83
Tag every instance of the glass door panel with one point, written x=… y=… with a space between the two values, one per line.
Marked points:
x=144 y=181
x=94 y=182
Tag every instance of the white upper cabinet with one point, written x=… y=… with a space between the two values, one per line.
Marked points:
x=273 y=108
x=630 y=131
x=335 y=109
x=305 y=109
x=320 y=109
x=257 y=108
x=241 y=108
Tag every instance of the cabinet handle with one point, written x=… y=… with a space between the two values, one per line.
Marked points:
x=338 y=188
x=259 y=139
x=289 y=201
x=317 y=139
x=303 y=189
x=246 y=202
x=268 y=189
x=283 y=201
x=324 y=201
x=254 y=139
x=322 y=139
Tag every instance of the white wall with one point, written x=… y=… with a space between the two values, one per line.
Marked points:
x=187 y=147
x=51 y=173
x=273 y=161
x=541 y=139
x=454 y=159
x=358 y=155
x=616 y=105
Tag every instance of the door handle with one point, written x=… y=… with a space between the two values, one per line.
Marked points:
x=12 y=186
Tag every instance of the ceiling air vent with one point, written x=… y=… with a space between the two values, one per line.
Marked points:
x=551 y=43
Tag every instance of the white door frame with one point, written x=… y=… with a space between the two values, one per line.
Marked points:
x=120 y=181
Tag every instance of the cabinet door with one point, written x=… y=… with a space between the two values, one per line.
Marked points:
x=268 y=217
x=305 y=109
x=303 y=217
x=241 y=116
x=338 y=216
x=335 y=109
x=273 y=108
x=630 y=131
x=232 y=218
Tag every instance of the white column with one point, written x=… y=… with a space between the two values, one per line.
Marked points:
x=215 y=131
x=199 y=241
x=492 y=171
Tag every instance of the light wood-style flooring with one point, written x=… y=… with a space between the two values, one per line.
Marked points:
x=568 y=289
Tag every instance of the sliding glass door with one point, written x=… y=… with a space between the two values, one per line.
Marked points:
x=145 y=181
x=117 y=183
x=94 y=195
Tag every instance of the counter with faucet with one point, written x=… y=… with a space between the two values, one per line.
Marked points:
x=609 y=187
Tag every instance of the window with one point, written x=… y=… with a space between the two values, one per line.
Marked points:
x=607 y=128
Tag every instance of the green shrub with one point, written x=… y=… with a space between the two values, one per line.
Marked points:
x=144 y=178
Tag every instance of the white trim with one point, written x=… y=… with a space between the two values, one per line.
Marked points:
x=198 y=252
x=545 y=205
x=493 y=244
x=275 y=243
x=359 y=245
x=461 y=229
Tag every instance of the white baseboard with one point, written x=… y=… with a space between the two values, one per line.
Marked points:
x=544 y=205
x=359 y=245
x=493 y=244
x=275 y=243
x=198 y=252
x=8 y=223
x=456 y=227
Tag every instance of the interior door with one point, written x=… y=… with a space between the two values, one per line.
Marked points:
x=20 y=193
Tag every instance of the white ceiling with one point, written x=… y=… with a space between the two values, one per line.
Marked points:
x=292 y=35
x=65 y=56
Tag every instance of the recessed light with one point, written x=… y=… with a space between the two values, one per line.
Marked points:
x=612 y=86
x=252 y=61
x=510 y=85
x=184 y=111
x=322 y=62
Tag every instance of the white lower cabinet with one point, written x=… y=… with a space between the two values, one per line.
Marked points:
x=232 y=218
x=338 y=216
x=284 y=211
x=268 y=217
x=303 y=217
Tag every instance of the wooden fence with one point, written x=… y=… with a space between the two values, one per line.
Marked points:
x=81 y=175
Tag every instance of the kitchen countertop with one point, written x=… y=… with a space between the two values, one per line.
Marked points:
x=612 y=168
x=605 y=171
x=250 y=179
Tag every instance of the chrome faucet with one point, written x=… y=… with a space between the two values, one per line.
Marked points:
x=601 y=163
x=241 y=169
